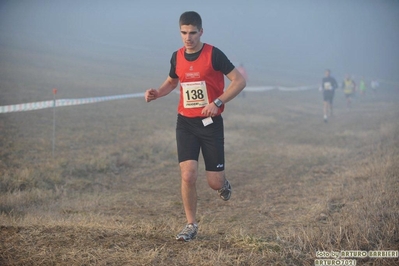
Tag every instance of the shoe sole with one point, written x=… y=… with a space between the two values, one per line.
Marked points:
x=183 y=239
x=226 y=199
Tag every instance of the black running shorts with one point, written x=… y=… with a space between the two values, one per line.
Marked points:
x=328 y=96
x=192 y=136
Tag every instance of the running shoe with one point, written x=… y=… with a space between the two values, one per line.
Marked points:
x=188 y=233
x=225 y=191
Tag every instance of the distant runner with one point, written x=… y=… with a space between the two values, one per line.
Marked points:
x=349 y=87
x=328 y=86
x=362 y=87
x=374 y=85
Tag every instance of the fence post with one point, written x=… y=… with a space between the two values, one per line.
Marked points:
x=54 y=106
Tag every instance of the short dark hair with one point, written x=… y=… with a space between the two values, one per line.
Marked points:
x=191 y=18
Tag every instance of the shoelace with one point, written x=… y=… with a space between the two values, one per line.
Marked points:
x=188 y=229
x=224 y=188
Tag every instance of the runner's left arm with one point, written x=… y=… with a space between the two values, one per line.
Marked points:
x=236 y=85
x=221 y=63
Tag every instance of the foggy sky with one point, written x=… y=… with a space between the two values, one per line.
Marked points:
x=298 y=37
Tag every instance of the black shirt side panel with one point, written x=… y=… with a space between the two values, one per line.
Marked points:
x=172 y=71
x=220 y=62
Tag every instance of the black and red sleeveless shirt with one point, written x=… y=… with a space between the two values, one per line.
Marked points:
x=198 y=70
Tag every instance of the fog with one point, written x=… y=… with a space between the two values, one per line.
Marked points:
x=291 y=39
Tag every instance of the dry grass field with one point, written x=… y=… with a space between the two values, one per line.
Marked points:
x=111 y=194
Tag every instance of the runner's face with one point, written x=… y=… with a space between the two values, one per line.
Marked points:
x=327 y=73
x=191 y=36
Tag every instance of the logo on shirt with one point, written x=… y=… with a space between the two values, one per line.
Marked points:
x=192 y=75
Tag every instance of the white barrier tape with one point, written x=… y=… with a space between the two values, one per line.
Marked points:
x=26 y=106
x=301 y=88
x=258 y=89
x=63 y=102
x=395 y=83
x=69 y=102
x=269 y=88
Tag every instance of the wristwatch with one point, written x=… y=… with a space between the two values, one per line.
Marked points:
x=218 y=102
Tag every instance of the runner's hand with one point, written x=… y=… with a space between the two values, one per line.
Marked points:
x=210 y=110
x=150 y=95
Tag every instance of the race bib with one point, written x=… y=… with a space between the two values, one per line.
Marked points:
x=327 y=86
x=194 y=94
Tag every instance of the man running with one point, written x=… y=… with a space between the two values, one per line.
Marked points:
x=349 y=87
x=374 y=85
x=362 y=87
x=200 y=68
x=328 y=85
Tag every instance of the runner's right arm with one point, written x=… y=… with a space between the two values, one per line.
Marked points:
x=169 y=85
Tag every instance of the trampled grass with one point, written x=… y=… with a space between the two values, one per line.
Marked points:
x=111 y=194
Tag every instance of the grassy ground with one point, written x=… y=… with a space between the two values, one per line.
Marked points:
x=111 y=194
